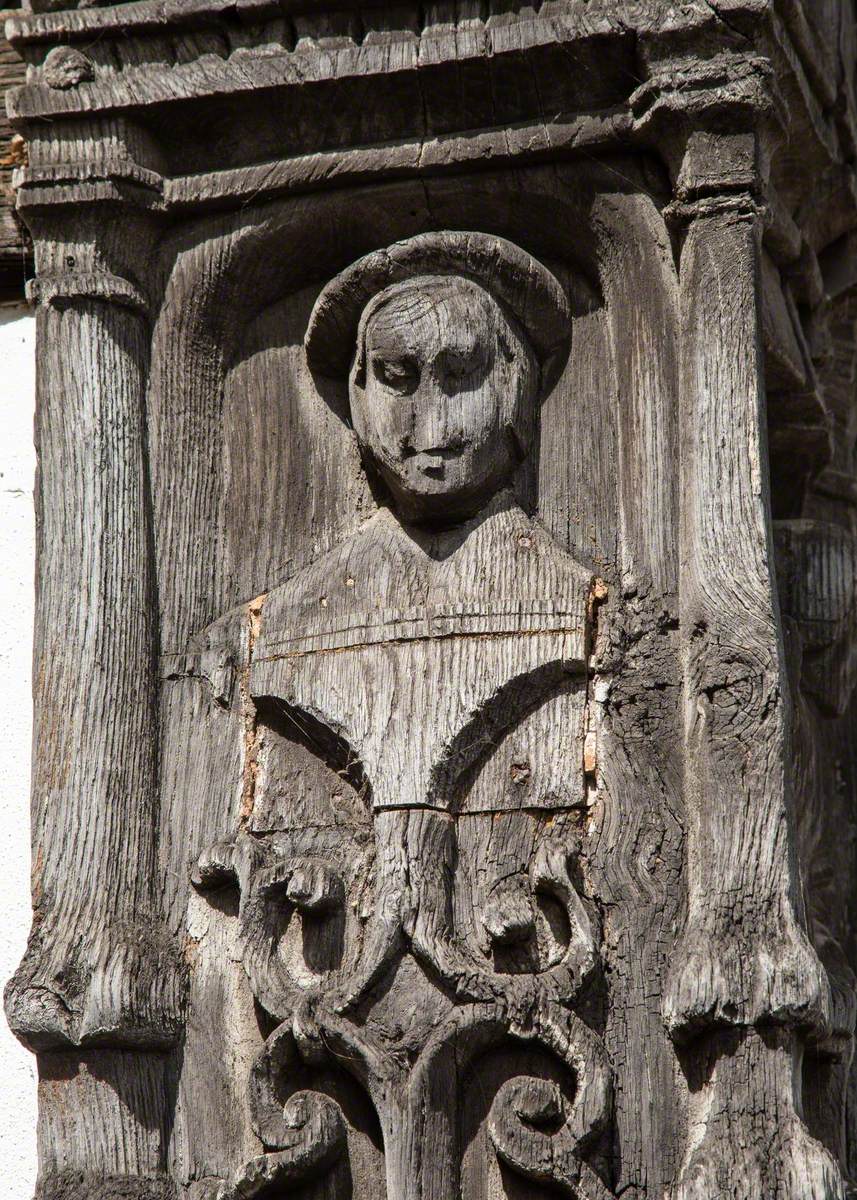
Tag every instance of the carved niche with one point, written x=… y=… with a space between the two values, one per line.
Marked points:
x=429 y=911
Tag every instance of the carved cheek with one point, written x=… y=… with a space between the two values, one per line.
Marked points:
x=478 y=415
x=384 y=422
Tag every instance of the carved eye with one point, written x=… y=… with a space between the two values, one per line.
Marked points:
x=399 y=375
x=455 y=368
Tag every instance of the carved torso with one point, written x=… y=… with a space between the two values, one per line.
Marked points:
x=414 y=647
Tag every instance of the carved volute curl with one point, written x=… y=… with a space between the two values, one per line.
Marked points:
x=443 y=384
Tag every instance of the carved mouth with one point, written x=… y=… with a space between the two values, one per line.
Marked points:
x=441 y=453
x=433 y=460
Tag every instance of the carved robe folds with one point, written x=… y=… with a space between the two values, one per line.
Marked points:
x=436 y=796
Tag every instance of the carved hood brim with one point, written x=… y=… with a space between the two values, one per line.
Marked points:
x=523 y=285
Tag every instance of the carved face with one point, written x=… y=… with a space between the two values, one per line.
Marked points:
x=443 y=391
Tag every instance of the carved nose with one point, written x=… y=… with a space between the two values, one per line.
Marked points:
x=436 y=430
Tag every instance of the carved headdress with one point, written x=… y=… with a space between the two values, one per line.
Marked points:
x=528 y=292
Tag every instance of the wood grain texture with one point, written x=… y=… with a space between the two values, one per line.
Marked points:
x=15 y=246
x=444 y=769
x=95 y=968
x=346 y=654
x=99 y=967
x=759 y=968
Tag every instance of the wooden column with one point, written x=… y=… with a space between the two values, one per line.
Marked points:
x=98 y=994
x=745 y=981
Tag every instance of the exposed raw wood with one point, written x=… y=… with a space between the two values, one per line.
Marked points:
x=15 y=249
x=444 y=775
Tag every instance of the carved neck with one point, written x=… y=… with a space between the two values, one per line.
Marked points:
x=440 y=539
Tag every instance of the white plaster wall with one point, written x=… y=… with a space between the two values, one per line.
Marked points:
x=17 y=464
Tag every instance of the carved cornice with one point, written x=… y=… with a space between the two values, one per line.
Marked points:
x=469 y=95
x=144 y=59
x=459 y=845
x=15 y=249
x=218 y=66
x=157 y=15
x=159 y=65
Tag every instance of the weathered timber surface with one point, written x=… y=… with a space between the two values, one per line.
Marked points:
x=444 y=764
x=15 y=247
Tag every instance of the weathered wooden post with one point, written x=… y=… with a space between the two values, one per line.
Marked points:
x=444 y=768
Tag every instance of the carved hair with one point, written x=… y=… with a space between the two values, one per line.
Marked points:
x=425 y=284
x=520 y=284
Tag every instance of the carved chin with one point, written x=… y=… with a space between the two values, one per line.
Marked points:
x=434 y=486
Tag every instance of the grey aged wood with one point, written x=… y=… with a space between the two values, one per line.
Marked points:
x=15 y=247
x=444 y=770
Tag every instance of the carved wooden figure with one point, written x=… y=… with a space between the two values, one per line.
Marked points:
x=444 y=763
x=402 y=656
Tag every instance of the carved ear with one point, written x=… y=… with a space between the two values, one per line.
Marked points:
x=357 y=375
x=522 y=420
